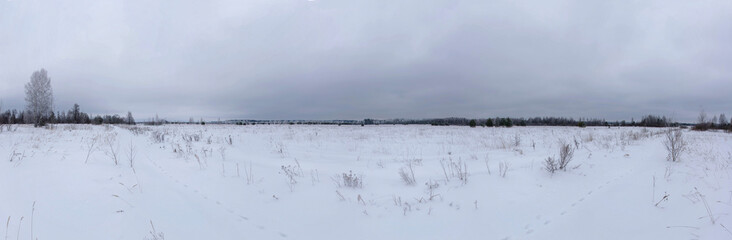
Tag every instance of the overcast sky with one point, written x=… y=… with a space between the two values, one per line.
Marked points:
x=353 y=59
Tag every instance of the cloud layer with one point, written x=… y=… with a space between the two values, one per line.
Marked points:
x=325 y=59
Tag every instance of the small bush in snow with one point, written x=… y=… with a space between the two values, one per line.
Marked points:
x=158 y=136
x=566 y=152
x=195 y=137
x=407 y=175
x=154 y=234
x=111 y=147
x=431 y=187
x=550 y=165
x=675 y=144
x=291 y=172
x=349 y=180
x=137 y=130
x=453 y=169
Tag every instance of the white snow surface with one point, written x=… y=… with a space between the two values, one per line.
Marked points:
x=230 y=182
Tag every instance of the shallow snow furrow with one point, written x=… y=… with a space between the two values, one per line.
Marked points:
x=239 y=217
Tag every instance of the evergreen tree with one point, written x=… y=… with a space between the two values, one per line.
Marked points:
x=97 y=120
x=130 y=119
x=75 y=114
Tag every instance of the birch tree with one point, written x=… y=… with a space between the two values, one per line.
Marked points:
x=39 y=97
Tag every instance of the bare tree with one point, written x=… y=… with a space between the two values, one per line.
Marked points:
x=675 y=144
x=702 y=118
x=703 y=122
x=39 y=97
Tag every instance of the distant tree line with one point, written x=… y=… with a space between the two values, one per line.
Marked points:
x=39 y=108
x=646 y=121
x=73 y=116
x=704 y=123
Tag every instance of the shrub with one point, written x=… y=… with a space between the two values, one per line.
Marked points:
x=158 y=136
x=41 y=122
x=97 y=120
x=292 y=172
x=701 y=127
x=550 y=165
x=407 y=177
x=675 y=144
x=349 y=179
x=566 y=152
x=582 y=124
x=453 y=169
x=473 y=123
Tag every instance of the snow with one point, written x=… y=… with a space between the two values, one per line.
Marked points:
x=190 y=190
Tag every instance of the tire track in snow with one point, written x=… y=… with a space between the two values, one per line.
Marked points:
x=230 y=211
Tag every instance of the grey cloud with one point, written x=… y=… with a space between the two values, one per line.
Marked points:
x=385 y=59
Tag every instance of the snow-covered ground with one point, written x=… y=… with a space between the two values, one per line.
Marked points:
x=287 y=182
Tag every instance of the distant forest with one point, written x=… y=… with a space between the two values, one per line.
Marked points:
x=74 y=116
x=647 y=121
x=39 y=111
x=703 y=122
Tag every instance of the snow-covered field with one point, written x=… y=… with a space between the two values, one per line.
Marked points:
x=287 y=182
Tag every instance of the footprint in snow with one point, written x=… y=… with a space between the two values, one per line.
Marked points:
x=547 y=222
